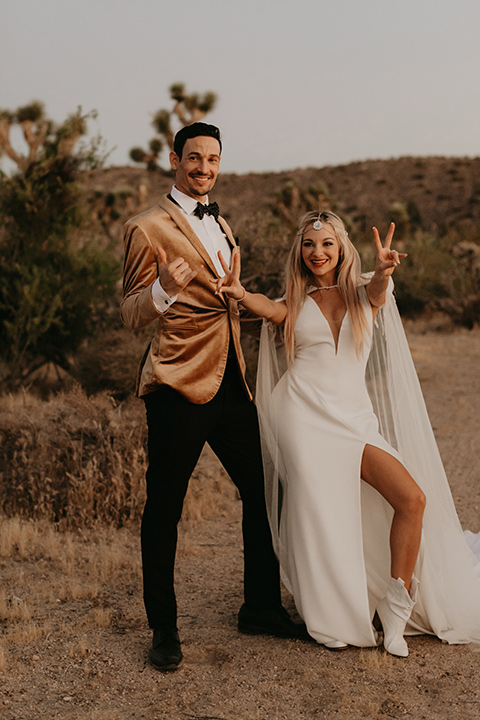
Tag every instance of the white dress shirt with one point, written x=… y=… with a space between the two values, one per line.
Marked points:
x=210 y=235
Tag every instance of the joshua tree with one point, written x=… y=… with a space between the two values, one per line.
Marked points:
x=57 y=278
x=293 y=201
x=31 y=119
x=187 y=109
x=43 y=138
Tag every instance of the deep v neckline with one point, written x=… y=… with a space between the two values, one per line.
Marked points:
x=336 y=340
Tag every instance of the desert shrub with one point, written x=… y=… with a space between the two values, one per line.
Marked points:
x=399 y=215
x=56 y=276
x=406 y=217
x=109 y=360
x=76 y=460
x=265 y=244
x=423 y=274
x=462 y=303
x=441 y=273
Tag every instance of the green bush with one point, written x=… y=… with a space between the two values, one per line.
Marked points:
x=56 y=276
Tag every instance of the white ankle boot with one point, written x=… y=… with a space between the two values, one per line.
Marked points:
x=335 y=645
x=394 y=611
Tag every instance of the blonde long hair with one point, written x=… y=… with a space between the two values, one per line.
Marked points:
x=299 y=279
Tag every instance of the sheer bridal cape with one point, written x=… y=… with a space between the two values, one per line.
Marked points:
x=449 y=572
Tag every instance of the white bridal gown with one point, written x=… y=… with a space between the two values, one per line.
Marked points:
x=331 y=529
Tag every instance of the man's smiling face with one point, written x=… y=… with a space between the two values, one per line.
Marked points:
x=196 y=171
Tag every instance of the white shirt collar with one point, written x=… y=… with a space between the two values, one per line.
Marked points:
x=187 y=203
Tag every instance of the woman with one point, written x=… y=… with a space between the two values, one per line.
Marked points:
x=346 y=512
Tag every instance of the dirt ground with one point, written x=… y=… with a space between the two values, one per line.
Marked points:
x=74 y=641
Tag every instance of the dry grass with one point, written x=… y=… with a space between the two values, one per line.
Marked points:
x=50 y=568
x=64 y=569
x=74 y=562
x=75 y=460
x=71 y=459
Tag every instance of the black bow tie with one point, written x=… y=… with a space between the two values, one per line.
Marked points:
x=211 y=209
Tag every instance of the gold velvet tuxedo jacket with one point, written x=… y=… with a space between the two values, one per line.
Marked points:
x=190 y=347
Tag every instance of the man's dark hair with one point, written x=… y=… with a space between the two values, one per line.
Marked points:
x=194 y=130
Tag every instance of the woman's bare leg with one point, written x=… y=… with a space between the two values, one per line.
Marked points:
x=389 y=477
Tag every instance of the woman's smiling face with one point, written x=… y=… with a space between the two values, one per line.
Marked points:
x=321 y=253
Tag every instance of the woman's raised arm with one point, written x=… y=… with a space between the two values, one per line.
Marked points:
x=255 y=303
x=387 y=261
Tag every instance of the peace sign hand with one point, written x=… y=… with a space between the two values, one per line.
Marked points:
x=387 y=259
x=230 y=282
x=173 y=276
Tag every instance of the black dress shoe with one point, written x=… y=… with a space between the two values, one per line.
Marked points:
x=270 y=621
x=165 y=653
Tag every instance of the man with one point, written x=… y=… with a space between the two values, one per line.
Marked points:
x=193 y=384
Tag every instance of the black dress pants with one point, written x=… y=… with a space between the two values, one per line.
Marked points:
x=177 y=432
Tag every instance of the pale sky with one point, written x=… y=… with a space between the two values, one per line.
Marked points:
x=300 y=82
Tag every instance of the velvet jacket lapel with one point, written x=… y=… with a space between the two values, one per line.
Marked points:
x=179 y=218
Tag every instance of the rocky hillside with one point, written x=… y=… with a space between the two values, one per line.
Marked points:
x=436 y=191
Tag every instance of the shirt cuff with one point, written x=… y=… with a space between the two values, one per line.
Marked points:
x=160 y=299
